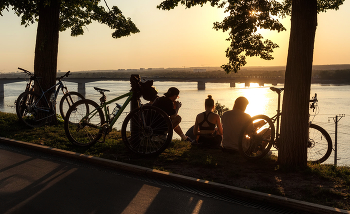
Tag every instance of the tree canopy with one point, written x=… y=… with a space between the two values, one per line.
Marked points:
x=74 y=14
x=243 y=21
x=54 y=16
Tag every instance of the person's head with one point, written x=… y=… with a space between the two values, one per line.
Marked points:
x=241 y=103
x=209 y=103
x=172 y=93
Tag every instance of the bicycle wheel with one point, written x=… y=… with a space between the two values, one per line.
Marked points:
x=83 y=123
x=319 y=146
x=30 y=110
x=68 y=100
x=147 y=131
x=256 y=138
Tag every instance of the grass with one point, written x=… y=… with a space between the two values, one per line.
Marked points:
x=322 y=184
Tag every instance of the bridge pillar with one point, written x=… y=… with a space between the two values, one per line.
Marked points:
x=81 y=88
x=261 y=84
x=246 y=84
x=232 y=84
x=201 y=85
x=2 y=91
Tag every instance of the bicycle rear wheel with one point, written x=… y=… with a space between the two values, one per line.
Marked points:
x=256 y=138
x=68 y=100
x=83 y=123
x=147 y=131
x=30 y=110
x=319 y=146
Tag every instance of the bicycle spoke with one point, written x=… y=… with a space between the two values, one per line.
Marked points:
x=29 y=110
x=147 y=131
x=83 y=124
x=319 y=145
x=256 y=137
x=68 y=100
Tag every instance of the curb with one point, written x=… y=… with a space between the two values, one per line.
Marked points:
x=278 y=200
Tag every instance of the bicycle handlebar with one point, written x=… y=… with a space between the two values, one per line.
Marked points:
x=313 y=102
x=65 y=75
x=314 y=99
x=26 y=71
x=33 y=75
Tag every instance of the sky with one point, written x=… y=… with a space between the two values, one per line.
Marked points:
x=167 y=39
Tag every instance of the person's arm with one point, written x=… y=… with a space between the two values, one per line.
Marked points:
x=170 y=108
x=218 y=122
x=195 y=128
x=177 y=106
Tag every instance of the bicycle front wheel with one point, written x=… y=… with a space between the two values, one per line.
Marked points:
x=319 y=146
x=83 y=123
x=68 y=100
x=147 y=131
x=256 y=138
x=30 y=110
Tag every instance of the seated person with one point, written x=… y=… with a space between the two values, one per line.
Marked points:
x=170 y=106
x=205 y=126
x=233 y=122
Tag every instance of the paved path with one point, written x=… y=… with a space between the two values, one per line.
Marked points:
x=39 y=179
x=33 y=183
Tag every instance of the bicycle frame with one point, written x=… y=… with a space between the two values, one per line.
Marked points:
x=276 y=118
x=106 y=111
x=60 y=86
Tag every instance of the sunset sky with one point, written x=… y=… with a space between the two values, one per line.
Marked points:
x=177 y=38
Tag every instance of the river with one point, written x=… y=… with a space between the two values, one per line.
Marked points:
x=333 y=100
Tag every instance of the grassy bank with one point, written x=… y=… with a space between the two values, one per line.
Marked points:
x=321 y=184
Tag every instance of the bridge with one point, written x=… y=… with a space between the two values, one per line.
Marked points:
x=200 y=82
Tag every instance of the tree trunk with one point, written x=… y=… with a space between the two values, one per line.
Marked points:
x=46 y=48
x=295 y=114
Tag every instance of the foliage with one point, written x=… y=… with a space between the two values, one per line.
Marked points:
x=74 y=14
x=243 y=21
x=220 y=109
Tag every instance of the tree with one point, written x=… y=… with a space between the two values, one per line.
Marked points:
x=245 y=17
x=54 y=16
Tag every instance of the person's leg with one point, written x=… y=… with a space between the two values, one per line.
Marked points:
x=178 y=130
x=217 y=141
x=175 y=120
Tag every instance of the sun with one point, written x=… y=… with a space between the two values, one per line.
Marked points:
x=253 y=13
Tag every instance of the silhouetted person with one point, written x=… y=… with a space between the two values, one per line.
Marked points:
x=169 y=104
x=233 y=122
x=208 y=126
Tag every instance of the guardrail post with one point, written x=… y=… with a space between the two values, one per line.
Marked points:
x=336 y=120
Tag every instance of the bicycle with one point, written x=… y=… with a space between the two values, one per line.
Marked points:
x=259 y=134
x=146 y=130
x=34 y=109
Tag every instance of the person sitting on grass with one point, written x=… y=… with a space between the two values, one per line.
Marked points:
x=171 y=106
x=233 y=122
x=208 y=127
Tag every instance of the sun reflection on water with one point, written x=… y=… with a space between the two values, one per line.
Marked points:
x=258 y=99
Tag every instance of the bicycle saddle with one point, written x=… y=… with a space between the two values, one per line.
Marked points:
x=100 y=89
x=278 y=90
